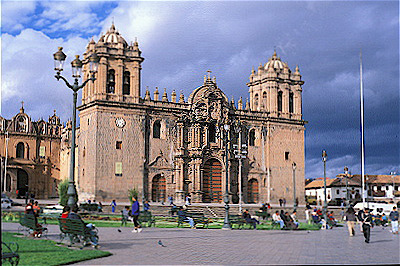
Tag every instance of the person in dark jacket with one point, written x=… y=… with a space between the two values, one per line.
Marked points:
x=366 y=224
x=350 y=217
x=246 y=215
x=394 y=220
x=135 y=214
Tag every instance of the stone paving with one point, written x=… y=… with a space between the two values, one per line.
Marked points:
x=241 y=247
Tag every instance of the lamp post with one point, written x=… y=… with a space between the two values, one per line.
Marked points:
x=324 y=158
x=226 y=225
x=294 y=186
x=5 y=163
x=59 y=59
x=393 y=174
x=240 y=152
x=346 y=172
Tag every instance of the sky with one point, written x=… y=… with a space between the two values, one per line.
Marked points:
x=180 y=41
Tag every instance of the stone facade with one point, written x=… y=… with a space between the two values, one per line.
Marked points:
x=33 y=155
x=175 y=147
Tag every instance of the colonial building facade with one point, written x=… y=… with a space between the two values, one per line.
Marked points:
x=165 y=146
x=32 y=149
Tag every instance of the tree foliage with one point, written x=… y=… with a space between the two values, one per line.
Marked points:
x=133 y=193
x=62 y=193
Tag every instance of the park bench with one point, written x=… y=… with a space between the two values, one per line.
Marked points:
x=29 y=223
x=263 y=214
x=198 y=218
x=147 y=217
x=76 y=230
x=9 y=254
x=238 y=219
x=92 y=207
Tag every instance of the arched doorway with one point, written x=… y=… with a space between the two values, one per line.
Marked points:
x=212 y=181
x=158 y=188
x=252 y=191
x=22 y=182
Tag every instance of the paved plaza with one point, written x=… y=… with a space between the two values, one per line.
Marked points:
x=240 y=247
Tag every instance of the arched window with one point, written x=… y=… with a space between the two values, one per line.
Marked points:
x=212 y=133
x=264 y=101
x=157 y=129
x=280 y=101
x=256 y=102
x=111 y=81
x=20 y=150
x=291 y=102
x=21 y=124
x=252 y=137
x=127 y=83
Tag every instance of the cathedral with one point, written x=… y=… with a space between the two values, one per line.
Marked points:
x=175 y=146
x=31 y=152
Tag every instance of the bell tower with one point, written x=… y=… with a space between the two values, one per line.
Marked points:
x=118 y=76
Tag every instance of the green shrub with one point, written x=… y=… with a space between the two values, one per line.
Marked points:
x=133 y=193
x=62 y=193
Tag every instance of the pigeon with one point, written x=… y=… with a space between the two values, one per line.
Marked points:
x=119 y=230
x=160 y=243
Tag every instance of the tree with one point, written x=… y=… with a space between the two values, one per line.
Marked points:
x=132 y=193
x=62 y=193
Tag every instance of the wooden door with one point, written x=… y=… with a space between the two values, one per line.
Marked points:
x=158 y=189
x=212 y=181
x=252 y=191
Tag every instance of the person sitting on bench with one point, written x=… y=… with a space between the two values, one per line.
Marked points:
x=73 y=215
x=277 y=219
x=246 y=215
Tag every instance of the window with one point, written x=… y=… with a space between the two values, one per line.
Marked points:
x=126 y=84
x=264 y=101
x=157 y=129
x=111 y=81
x=379 y=188
x=20 y=150
x=280 y=101
x=387 y=187
x=291 y=102
x=252 y=137
x=118 y=145
x=396 y=187
x=337 y=191
x=256 y=102
x=118 y=168
x=42 y=152
x=286 y=155
x=211 y=133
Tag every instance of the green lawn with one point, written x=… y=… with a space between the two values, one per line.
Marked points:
x=166 y=222
x=45 y=252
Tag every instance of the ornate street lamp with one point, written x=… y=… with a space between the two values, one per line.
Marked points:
x=324 y=158
x=294 y=186
x=5 y=164
x=226 y=225
x=59 y=59
x=346 y=172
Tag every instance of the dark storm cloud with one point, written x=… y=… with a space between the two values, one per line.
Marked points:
x=182 y=40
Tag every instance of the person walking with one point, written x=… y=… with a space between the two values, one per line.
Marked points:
x=135 y=214
x=113 y=205
x=394 y=220
x=125 y=216
x=280 y=202
x=284 y=202
x=359 y=219
x=366 y=224
x=308 y=211
x=350 y=217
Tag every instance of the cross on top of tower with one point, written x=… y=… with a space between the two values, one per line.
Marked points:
x=22 y=110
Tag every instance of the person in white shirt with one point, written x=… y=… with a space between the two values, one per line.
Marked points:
x=277 y=218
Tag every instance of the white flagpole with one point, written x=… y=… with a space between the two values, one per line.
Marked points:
x=362 y=130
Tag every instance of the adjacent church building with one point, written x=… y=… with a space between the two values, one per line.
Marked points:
x=175 y=146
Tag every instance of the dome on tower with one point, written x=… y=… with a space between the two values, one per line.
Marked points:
x=112 y=36
x=275 y=63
